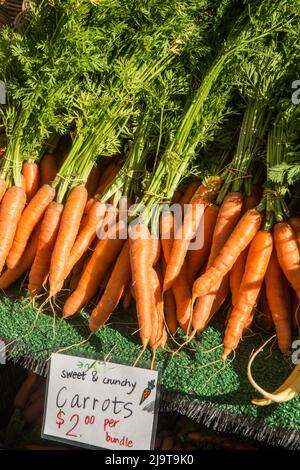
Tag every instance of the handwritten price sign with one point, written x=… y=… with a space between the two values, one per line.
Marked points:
x=100 y=404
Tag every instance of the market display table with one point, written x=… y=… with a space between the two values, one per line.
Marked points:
x=193 y=382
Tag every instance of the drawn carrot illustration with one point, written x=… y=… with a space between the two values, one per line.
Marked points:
x=147 y=391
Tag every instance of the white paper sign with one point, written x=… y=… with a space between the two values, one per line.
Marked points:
x=100 y=404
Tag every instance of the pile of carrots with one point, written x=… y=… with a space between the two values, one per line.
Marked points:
x=173 y=286
x=240 y=257
x=136 y=100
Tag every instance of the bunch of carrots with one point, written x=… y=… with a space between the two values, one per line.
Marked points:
x=172 y=285
x=227 y=159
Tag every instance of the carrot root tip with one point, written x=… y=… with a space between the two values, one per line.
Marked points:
x=226 y=353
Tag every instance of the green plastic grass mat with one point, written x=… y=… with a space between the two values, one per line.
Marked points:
x=193 y=384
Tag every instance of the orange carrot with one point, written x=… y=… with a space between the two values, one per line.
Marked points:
x=95 y=271
x=157 y=314
x=29 y=219
x=155 y=250
x=157 y=311
x=86 y=235
x=108 y=225
x=23 y=183
x=237 y=270
x=117 y=283
x=188 y=228
x=93 y=180
x=140 y=254
x=279 y=303
x=81 y=263
x=48 y=169
x=12 y=275
x=85 y=216
x=2 y=188
x=106 y=278
x=265 y=313
x=169 y=306
x=68 y=230
x=177 y=305
x=164 y=338
x=228 y=216
x=189 y=192
x=196 y=258
x=77 y=271
x=167 y=233
x=295 y=224
x=248 y=321
x=209 y=187
x=11 y=208
x=30 y=172
x=221 y=296
x=132 y=291
x=236 y=275
x=256 y=266
x=41 y=264
x=182 y=294
x=288 y=254
x=90 y=203
x=208 y=305
x=170 y=312
x=240 y=238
